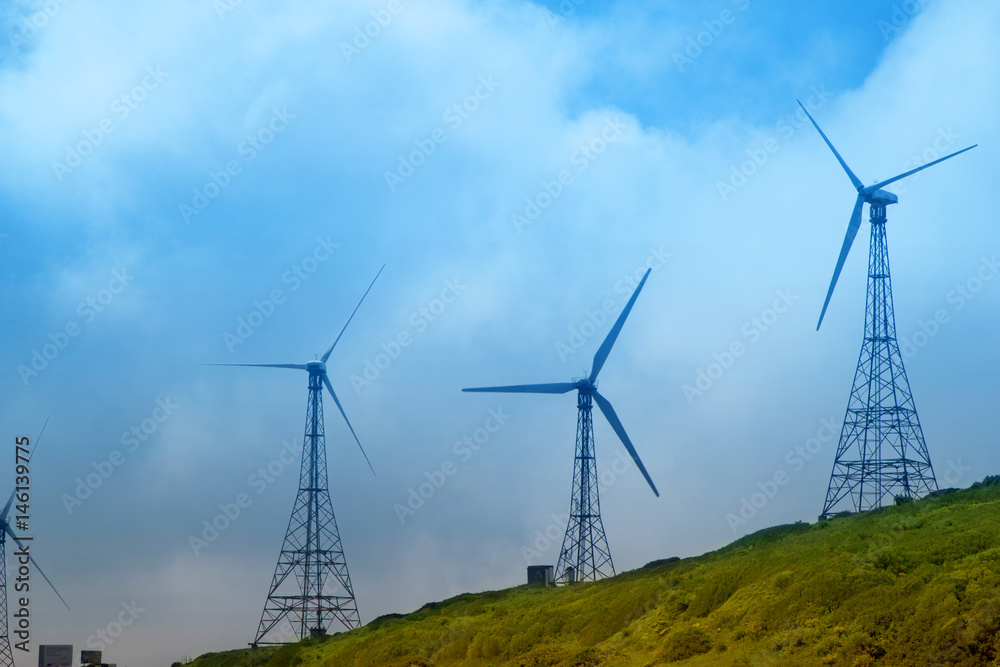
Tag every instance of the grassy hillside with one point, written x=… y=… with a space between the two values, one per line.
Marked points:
x=917 y=584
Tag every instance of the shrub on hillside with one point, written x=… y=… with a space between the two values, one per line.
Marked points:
x=989 y=480
x=686 y=643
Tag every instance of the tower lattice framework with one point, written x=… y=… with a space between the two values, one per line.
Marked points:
x=585 y=555
x=311 y=584
x=881 y=454
x=6 y=656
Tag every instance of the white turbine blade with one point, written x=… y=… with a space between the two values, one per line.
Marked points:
x=602 y=352
x=872 y=188
x=298 y=367
x=330 y=351
x=616 y=424
x=858 y=185
x=7 y=529
x=852 y=231
x=555 y=388
x=336 y=400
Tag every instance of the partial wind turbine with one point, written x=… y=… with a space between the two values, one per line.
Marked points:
x=312 y=561
x=882 y=456
x=585 y=554
x=6 y=657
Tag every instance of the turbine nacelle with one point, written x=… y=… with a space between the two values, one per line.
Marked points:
x=316 y=368
x=882 y=198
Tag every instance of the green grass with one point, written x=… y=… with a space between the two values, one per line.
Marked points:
x=916 y=584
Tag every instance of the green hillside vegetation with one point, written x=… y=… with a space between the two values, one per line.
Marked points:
x=915 y=584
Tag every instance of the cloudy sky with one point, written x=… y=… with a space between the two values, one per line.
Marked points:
x=218 y=182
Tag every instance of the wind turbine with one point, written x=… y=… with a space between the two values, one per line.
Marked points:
x=882 y=454
x=585 y=555
x=312 y=555
x=6 y=657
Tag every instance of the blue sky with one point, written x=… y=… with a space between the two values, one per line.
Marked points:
x=281 y=138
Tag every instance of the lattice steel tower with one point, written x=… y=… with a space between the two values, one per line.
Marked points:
x=6 y=657
x=585 y=555
x=881 y=455
x=311 y=586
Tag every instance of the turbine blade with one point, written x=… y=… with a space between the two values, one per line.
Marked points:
x=876 y=186
x=852 y=231
x=616 y=424
x=6 y=508
x=34 y=562
x=299 y=367
x=330 y=351
x=556 y=388
x=858 y=185
x=336 y=400
x=605 y=349
x=39 y=438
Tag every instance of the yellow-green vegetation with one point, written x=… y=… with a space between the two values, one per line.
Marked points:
x=916 y=584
